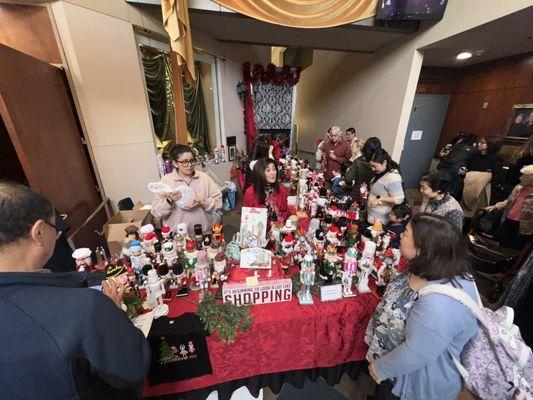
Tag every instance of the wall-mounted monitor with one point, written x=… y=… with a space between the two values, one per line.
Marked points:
x=432 y=10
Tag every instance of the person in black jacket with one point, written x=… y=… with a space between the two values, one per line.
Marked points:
x=455 y=163
x=58 y=340
x=487 y=158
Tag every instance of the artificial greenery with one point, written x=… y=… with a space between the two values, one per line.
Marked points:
x=133 y=304
x=226 y=319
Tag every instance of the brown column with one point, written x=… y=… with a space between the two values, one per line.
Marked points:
x=179 y=101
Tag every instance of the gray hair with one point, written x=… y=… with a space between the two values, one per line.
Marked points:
x=336 y=129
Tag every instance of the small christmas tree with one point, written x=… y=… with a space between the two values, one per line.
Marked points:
x=165 y=352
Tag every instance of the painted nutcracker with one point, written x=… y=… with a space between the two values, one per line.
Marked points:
x=202 y=272
x=365 y=267
x=307 y=279
x=330 y=265
x=191 y=259
x=169 y=252
x=349 y=271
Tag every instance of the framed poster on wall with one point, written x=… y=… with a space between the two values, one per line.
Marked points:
x=521 y=124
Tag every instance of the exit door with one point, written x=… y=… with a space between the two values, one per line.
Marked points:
x=423 y=132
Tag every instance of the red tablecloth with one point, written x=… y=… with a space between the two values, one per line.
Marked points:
x=284 y=337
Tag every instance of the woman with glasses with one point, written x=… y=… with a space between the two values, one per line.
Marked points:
x=208 y=195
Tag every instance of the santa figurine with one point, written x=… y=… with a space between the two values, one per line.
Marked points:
x=166 y=233
x=149 y=243
x=349 y=271
x=219 y=274
x=287 y=248
x=145 y=230
x=332 y=236
x=155 y=289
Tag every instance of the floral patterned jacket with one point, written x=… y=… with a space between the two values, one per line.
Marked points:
x=386 y=328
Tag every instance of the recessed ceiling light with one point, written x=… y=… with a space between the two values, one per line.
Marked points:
x=464 y=56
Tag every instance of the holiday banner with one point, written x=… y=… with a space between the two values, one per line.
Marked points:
x=273 y=291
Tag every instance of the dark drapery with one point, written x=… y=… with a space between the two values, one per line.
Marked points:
x=158 y=74
x=196 y=114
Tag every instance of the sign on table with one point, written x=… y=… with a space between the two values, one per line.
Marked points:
x=273 y=291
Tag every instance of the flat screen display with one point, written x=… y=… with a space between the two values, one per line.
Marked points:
x=411 y=9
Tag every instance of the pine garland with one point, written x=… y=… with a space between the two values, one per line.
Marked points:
x=225 y=318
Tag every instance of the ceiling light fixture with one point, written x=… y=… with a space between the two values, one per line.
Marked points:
x=464 y=56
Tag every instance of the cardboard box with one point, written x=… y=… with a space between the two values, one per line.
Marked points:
x=115 y=228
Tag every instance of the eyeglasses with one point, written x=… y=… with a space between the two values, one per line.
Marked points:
x=191 y=161
x=58 y=231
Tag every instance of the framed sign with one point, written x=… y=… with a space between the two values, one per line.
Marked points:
x=253 y=226
x=331 y=292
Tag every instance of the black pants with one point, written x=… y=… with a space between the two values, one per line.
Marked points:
x=384 y=391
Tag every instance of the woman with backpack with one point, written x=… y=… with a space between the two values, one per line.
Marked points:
x=412 y=341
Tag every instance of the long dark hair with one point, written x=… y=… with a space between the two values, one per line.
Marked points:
x=380 y=156
x=370 y=147
x=260 y=150
x=260 y=182
x=442 y=252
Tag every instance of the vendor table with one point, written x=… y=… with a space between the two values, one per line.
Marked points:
x=286 y=341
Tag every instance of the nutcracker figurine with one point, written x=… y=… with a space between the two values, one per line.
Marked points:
x=349 y=271
x=190 y=258
x=365 y=267
x=330 y=264
x=155 y=289
x=166 y=233
x=287 y=248
x=202 y=272
x=307 y=279
x=219 y=274
x=169 y=252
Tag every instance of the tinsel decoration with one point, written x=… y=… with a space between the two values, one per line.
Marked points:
x=258 y=73
x=226 y=319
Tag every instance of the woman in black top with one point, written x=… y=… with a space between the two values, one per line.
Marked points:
x=487 y=158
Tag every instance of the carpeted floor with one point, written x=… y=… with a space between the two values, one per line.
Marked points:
x=311 y=391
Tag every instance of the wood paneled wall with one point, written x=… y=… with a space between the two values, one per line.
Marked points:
x=500 y=83
x=29 y=30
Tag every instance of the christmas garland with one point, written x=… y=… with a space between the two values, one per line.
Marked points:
x=270 y=75
x=225 y=318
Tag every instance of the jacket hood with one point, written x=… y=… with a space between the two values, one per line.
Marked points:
x=65 y=279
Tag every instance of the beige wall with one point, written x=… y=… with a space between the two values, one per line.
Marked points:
x=229 y=73
x=104 y=68
x=374 y=92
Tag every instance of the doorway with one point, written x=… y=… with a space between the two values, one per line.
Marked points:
x=10 y=167
x=423 y=132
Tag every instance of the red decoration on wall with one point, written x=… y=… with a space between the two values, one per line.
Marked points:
x=286 y=75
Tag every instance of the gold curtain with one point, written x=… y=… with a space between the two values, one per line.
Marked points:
x=176 y=21
x=304 y=13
